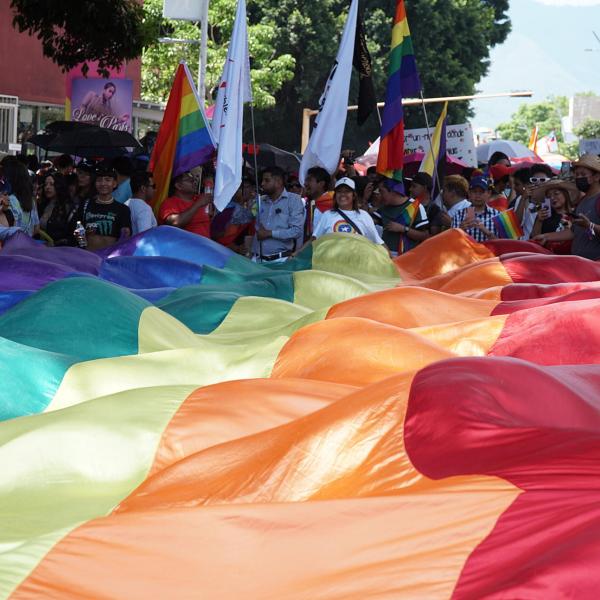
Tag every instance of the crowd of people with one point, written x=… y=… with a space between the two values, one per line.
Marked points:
x=94 y=205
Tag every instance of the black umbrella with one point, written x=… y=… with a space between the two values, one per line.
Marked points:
x=81 y=139
x=271 y=156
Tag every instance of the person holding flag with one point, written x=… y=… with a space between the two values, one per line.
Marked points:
x=184 y=142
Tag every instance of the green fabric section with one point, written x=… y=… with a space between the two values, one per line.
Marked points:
x=83 y=317
x=30 y=378
x=355 y=256
x=203 y=307
x=170 y=354
x=190 y=123
x=398 y=53
x=64 y=468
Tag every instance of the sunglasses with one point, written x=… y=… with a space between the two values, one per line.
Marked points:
x=538 y=179
x=295 y=184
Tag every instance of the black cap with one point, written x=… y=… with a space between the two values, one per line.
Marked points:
x=105 y=169
x=87 y=166
x=423 y=179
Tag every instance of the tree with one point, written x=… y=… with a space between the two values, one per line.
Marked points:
x=159 y=62
x=545 y=115
x=107 y=31
x=452 y=39
x=589 y=130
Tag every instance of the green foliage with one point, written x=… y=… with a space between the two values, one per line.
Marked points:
x=589 y=130
x=452 y=39
x=107 y=31
x=269 y=71
x=546 y=115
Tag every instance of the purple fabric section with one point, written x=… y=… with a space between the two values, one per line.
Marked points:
x=73 y=259
x=25 y=273
x=193 y=160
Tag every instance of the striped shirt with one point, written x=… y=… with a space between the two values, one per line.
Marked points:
x=486 y=218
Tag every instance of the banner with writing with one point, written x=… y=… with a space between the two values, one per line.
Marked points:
x=460 y=143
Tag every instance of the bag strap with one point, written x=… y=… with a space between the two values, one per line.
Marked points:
x=349 y=220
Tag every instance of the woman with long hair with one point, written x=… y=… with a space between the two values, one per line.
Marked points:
x=58 y=209
x=22 y=201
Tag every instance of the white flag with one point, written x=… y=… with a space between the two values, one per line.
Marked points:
x=325 y=142
x=228 y=118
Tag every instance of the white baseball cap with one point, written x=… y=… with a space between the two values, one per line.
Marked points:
x=345 y=181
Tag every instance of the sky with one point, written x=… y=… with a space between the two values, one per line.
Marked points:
x=545 y=53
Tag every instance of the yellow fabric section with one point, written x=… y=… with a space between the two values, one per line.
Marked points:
x=97 y=453
x=430 y=161
x=399 y=32
x=189 y=104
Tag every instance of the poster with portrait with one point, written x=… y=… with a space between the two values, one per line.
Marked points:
x=104 y=102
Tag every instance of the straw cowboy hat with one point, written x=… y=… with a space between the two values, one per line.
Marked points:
x=568 y=187
x=589 y=161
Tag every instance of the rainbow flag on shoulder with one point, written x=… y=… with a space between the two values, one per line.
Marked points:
x=403 y=82
x=184 y=139
x=508 y=226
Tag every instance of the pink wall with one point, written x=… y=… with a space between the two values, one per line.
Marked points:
x=26 y=73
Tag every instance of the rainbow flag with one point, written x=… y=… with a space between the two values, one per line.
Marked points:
x=184 y=139
x=179 y=422
x=403 y=82
x=407 y=217
x=508 y=226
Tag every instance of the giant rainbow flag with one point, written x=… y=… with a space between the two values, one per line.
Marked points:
x=184 y=138
x=403 y=82
x=179 y=422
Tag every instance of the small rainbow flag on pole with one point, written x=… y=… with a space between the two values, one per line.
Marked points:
x=508 y=226
x=184 y=139
x=403 y=82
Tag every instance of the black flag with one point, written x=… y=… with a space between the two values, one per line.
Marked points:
x=367 y=102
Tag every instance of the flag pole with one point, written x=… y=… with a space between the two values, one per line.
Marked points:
x=256 y=181
x=435 y=160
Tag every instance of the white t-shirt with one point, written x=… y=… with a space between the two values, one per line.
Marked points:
x=142 y=217
x=332 y=222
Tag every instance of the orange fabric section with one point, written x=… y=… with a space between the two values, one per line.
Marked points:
x=413 y=307
x=234 y=409
x=282 y=504
x=440 y=254
x=354 y=351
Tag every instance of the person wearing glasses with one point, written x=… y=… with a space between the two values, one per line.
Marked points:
x=142 y=192
x=186 y=208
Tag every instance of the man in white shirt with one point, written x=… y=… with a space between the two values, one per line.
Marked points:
x=142 y=190
x=454 y=195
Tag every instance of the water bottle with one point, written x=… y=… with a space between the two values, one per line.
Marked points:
x=80 y=235
x=208 y=191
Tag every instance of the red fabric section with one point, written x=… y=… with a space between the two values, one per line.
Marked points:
x=500 y=247
x=558 y=334
x=538 y=429
x=539 y=268
x=505 y=308
x=520 y=291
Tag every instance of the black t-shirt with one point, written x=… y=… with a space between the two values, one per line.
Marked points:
x=551 y=224
x=109 y=219
x=434 y=215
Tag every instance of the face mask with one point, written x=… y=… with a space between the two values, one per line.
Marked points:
x=582 y=183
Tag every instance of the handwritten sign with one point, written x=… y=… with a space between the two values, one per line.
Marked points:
x=460 y=143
